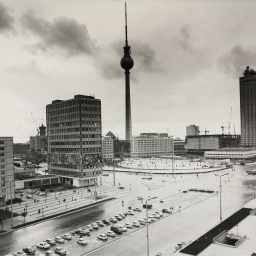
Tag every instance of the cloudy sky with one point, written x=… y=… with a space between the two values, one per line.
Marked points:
x=188 y=58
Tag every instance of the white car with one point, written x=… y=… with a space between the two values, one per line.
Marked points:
x=151 y=218
x=142 y=222
x=160 y=214
x=59 y=240
x=95 y=226
x=100 y=223
x=90 y=227
x=113 y=219
x=66 y=236
x=145 y=220
x=82 y=241
x=102 y=237
x=43 y=245
x=20 y=253
x=157 y=216
x=49 y=253
x=130 y=212
x=128 y=225
x=123 y=228
x=50 y=241
x=136 y=224
x=59 y=250
x=110 y=233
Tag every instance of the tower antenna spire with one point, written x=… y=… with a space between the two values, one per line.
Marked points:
x=126 y=37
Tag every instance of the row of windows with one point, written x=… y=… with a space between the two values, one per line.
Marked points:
x=75 y=116
x=1 y=141
x=74 y=143
x=90 y=129
x=71 y=150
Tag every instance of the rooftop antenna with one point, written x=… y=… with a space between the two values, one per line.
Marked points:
x=126 y=38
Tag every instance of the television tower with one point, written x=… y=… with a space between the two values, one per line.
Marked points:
x=127 y=64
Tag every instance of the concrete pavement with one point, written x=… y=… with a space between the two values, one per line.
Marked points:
x=59 y=203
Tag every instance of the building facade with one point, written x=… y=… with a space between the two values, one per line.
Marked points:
x=151 y=144
x=200 y=144
x=74 y=140
x=108 y=147
x=232 y=154
x=192 y=130
x=7 y=183
x=248 y=108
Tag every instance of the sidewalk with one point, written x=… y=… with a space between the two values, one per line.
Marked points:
x=60 y=203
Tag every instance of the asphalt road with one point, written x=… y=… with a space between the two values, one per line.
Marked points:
x=195 y=213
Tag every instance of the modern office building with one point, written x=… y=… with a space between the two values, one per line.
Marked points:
x=192 y=130
x=151 y=144
x=200 y=144
x=74 y=140
x=108 y=147
x=7 y=182
x=248 y=108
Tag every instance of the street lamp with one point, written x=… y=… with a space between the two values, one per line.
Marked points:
x=172 y=136
x=147 y=223
x=11 y=180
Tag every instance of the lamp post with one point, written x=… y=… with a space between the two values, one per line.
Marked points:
x=114 y=174
x=10 y=181
x=172 y=136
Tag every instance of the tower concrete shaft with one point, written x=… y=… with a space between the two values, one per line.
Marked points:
x=127 y=64
x=128 y=118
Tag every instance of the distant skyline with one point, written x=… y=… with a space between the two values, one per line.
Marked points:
x=188 y=58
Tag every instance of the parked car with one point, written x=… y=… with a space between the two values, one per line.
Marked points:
x=128 y=225
x=90 y=227
x=166 y=210
x=99 y=223
x=137 y=209
x=50 y=241
x=49 y=252
x=136 y=224
x=107 y=222
x=59 y=240
x=20 y=253
x=123 y=228
x=29 y=250
x=147 y=220
x=113 y=219
x=29 y=196
x=116 y=229
x=122 y=215
x=149 y=206
x=95 y=226
x=82 y=241
x=59 y=250
x=130 y=212
x=157 y=216
x=66 y=236
x=118 y=217
x=102 y=237
x=142 y=222
x=160 y=214
x=110 y=233
x=43 y=245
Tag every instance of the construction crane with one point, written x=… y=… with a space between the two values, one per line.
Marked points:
x=234 y=129
x=37 y=128
x=222 y=128
x=229 y=121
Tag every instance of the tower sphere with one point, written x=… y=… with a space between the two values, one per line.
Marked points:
x=127 y=62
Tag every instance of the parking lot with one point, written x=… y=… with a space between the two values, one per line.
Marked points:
x=173 y=203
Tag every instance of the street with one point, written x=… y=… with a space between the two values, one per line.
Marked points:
x=194 y=213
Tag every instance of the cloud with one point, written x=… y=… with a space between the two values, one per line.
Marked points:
x=62 y=33
x=185 y=38
x=28 y=68
x=6 y=20
x=235 y=61
x=143 y=55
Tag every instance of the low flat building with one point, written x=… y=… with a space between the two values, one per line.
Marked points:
x=232 y=154
x=7 y=186
x=151 y=145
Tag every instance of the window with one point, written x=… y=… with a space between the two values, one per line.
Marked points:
x=1 y=154
x=2 y=166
